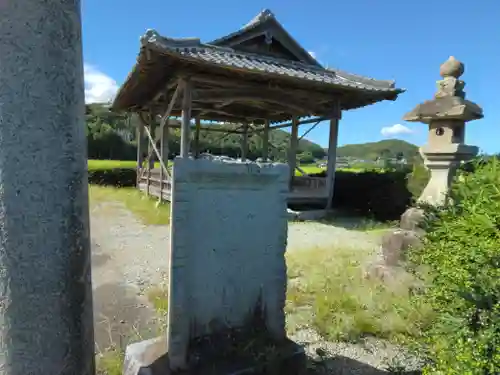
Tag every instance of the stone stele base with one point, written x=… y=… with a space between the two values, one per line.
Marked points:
x=150 y=357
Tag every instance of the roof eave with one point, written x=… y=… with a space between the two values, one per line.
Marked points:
x=385 y=94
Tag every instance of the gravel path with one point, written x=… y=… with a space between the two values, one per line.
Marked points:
x=129 y=257
x=307 y=235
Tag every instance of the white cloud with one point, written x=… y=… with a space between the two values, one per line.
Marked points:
x=394 y=130
x=313 y=54
x=99 y=87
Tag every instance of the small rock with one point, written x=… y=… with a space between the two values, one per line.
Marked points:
x=379 y=271
x=411 y=219
x=395 y=245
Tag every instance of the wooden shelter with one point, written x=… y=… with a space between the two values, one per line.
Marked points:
x=259 y=77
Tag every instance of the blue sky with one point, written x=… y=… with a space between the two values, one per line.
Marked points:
x=385 y=39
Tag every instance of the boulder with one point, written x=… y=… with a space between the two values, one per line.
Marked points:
x=395 y=245
x=412 y=219
x=380 y=271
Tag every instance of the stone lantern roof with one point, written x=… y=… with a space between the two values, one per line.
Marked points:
x=449 y=102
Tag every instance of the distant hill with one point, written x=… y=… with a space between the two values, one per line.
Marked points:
x=387 y=148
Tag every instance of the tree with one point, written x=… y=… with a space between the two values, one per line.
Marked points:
x=306 y=157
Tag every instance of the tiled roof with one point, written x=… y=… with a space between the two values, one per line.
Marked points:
x=193 y=49
x=266 y=17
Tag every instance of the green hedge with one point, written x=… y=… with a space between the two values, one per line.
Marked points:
x=119 y=177
x=383 y=196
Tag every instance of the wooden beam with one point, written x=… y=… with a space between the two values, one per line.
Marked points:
x=208 y=129
x=152 y=142
x=163 y=121
x=224 y=83
x=283 y=102
x=186 y=118
x=164 y=94
x=214 y=114
x=332 y=160
x=152 y=130
x=257 y=100
x=292 y=151
x=164 y=135
x=309 y=130
x=258 y=94
x=153 y=149
x=171 y=105
x=288 y=124
x=205 y=110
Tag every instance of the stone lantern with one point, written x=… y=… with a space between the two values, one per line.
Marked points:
x=446 y=116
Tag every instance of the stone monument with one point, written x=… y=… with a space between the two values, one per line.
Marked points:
x=227 y=274
x=446 y=116
x=46 y=324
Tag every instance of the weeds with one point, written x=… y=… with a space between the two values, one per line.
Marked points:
x=111 y=362
x=346 y=306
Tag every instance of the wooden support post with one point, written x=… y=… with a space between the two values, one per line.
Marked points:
x=265 y=141
x=292 y=151
x=152 y=130
x=332 y=159
x=140 y=151
x=244 y=142
x=197 y=137
x=151 y=155
x=164 y=135
x=186 y=119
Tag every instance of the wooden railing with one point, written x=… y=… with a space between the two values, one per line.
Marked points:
x=307 y=182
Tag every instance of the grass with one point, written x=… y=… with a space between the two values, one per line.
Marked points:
x=327 y=291
x=110 y=362
x=341 y=304
x=358 y=223
x=146 y=209
x=312 y=169
x=158 y=296
x=110 y=164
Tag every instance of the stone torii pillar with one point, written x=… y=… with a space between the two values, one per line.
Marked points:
x=446 y=116
x=46 y=323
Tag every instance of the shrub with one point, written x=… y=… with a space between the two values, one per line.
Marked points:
x=119 y=177
x=381 y=195
x=462 y=250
